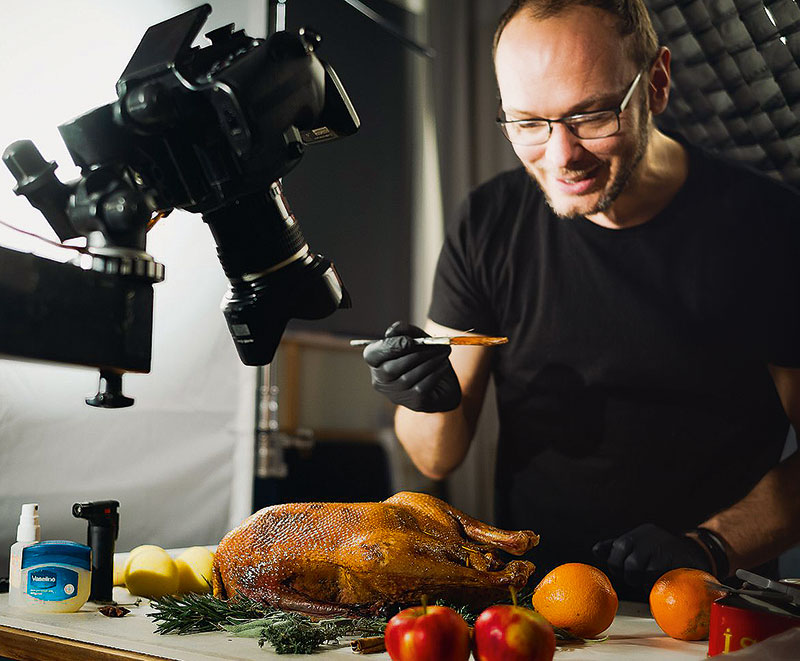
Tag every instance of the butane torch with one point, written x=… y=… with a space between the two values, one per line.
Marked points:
x=103 y=518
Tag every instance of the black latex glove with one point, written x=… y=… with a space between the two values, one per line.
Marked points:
x=645 y=553
x=417 y=376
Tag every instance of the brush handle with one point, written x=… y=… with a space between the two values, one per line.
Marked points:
x=461 y=340
x=415 y=340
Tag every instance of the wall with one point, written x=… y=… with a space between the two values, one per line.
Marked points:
x=370 y=203
x=354 y=197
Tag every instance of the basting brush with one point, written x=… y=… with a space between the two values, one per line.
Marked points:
x=460 y=340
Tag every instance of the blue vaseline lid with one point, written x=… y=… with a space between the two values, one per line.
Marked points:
x=58 y=552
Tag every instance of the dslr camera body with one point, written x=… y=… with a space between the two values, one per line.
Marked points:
x=210 y=130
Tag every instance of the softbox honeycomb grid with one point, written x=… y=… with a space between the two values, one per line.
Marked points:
x=735 y=79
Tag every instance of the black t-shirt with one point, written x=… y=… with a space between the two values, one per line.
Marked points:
x=634 y=387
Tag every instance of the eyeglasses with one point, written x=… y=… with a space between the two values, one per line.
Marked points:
x=586 y=126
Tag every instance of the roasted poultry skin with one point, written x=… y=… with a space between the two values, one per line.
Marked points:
x=359 y=558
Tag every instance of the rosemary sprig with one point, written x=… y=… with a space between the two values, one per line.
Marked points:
x=197 y=613
x=292 y=634
x=470 y=614
x=288 y=633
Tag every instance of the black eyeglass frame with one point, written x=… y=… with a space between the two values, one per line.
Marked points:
x=566 y=121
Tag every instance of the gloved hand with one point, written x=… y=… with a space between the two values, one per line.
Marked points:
x=645 y=553
x=417 y=376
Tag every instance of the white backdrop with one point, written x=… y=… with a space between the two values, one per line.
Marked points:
x=179 y=461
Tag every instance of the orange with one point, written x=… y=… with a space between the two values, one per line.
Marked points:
x=680 y=602
x=578 y=598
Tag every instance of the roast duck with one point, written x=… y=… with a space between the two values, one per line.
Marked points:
x=361 y=558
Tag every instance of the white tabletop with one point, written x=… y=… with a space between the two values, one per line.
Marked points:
x=633 y=635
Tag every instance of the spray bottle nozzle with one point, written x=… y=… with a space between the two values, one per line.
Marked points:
x=29 y=510
x=28 y=529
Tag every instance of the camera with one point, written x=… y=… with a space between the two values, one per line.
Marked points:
x=211 y=130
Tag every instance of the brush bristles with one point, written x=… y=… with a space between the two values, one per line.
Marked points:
x=478 y=341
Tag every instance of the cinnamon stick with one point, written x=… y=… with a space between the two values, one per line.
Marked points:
x=368 y=645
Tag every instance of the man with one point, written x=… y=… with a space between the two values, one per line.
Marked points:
x=651 y=297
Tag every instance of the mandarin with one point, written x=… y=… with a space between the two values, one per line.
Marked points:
x=578 y=598
x=680 y=602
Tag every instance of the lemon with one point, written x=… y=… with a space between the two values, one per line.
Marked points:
x=152 y=573
x=119 y=570
x=134 y=552
x=194 y=569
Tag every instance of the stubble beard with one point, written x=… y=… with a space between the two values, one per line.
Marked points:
x=620 y=181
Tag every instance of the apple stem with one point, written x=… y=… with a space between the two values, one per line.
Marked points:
x=513 y=594
x=424 y=604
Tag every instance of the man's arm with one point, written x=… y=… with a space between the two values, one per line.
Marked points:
x=756 y=529
x=438 y=442
x=766 y=522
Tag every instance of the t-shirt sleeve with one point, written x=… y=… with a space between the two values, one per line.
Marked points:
x=459 y=299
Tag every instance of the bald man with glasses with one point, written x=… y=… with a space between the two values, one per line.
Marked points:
x=651 y=296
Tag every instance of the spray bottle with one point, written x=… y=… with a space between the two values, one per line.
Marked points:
x=28 y=533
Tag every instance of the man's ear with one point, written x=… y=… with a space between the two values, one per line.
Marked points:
x=658 y=89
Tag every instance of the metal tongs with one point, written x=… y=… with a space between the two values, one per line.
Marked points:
x=764 y=589
x=789 y=593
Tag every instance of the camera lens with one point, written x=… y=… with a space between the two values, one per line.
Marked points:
x=274 y=276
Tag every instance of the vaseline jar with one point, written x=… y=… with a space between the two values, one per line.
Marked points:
x=56 y=576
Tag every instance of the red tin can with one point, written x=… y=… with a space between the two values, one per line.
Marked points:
x=737 y=622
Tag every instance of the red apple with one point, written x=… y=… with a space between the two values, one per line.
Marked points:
x=432 y=633
x=513 y=633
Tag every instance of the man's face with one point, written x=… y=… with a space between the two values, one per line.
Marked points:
x=573 y=63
